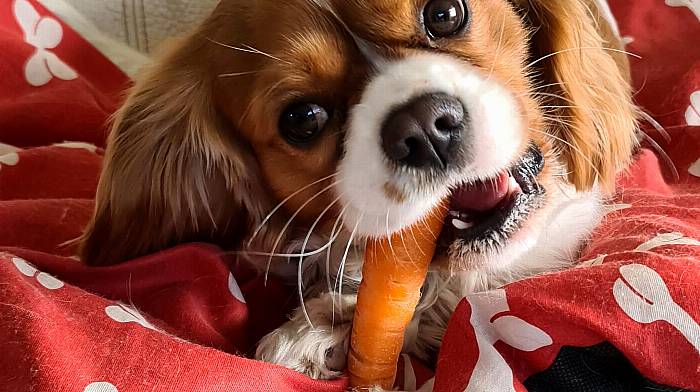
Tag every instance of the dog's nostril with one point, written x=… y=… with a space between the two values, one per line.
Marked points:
x=412 y=144
x=447 y=124
x=403 y=149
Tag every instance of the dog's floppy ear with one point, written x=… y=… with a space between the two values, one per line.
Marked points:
x=173 y=171
x=592 y=114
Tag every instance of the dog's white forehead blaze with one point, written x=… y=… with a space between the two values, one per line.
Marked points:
x=495 y=132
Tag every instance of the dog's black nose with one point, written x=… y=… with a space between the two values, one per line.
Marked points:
x=425 y=131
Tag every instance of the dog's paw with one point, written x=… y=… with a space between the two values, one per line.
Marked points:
x=318 y=350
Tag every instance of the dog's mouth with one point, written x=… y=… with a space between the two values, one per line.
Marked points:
x=486 y=213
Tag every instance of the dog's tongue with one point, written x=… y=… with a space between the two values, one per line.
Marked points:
x=481 y=196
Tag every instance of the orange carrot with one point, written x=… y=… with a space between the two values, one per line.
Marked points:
x=392 y=275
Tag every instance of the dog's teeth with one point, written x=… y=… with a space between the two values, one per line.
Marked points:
x=461 y=225
x=512 y=184
x=454 y=214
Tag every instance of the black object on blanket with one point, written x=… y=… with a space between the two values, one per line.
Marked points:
x=599 y=368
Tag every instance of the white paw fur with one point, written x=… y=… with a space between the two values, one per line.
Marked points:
x=318 y=351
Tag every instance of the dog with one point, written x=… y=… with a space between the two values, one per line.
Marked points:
x=290 y=131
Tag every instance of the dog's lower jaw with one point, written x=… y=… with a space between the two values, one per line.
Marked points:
x=538 y=248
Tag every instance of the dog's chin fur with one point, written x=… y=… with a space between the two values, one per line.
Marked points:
x=196 y=152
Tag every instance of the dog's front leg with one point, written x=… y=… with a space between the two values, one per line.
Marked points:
x=318 y=346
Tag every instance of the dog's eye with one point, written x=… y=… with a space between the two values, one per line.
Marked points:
x=300 y=123
x=444 y=18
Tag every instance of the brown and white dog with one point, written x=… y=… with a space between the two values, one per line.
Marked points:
x=291 y=130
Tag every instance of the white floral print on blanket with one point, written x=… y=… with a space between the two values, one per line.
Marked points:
x=126 y=314
x=492 y=372
x=43 y=33
x=100 y=386
x=44 y=279
x=693 y=5
x=643 y=295
x=692 y=113
x=692 y=117
x=9 y=159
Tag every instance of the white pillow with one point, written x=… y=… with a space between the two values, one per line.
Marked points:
x=143 y=24
x=126 y=31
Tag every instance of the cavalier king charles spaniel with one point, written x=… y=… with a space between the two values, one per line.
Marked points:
x=290 y=131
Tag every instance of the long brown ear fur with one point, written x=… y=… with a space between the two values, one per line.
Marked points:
x=594 y=113
x=172 y=171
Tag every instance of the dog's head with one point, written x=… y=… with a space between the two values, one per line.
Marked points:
x=365 y=112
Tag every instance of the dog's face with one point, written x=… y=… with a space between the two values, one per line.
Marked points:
x=406 y=104
x=370 y=112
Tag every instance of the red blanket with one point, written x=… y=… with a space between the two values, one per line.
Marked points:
x=184 y=319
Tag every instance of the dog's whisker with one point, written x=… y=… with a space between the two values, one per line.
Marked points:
x=325 y=247
x=388 y=234
x=234 y=74
x=536 y=91
x=544 y=86
x=415 y=240
x=552 y=95
x=342 y=265
x=300 y=271
x=579 y=107
x=664 y=155
x=675 y=127
x=282 y=255
x=498 y=48
x=656 y=146
x=641 y=88
x=247 y=49
x=430 y=230
x=369 y=50
x=573 y=147
x=659 y=128
x=550 y=55
x=289 y=222
x=339 y=225
x=336 y=226
x=282 y=203
x=313 y=226
x=563 y=191
x=268 y=55
x=559 y=119
x=403 y=241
